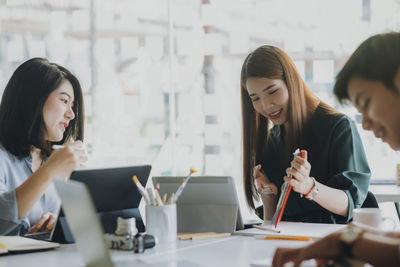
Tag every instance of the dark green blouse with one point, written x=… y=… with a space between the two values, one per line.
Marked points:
x=337 y=160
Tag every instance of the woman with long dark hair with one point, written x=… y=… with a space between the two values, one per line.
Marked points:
x=42 y=106
x=335 y=166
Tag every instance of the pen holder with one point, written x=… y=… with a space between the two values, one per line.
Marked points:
x=161 y=222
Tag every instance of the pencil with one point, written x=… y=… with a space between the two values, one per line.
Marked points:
x=266 y=229
x=287 y=237
x=141 y=189
x=164 y=198
x=151 y=196
x=182 y=186
x=158 y=187
x=171 y=199
x=158 y=198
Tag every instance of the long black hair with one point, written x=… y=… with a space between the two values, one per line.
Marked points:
x=21 y=110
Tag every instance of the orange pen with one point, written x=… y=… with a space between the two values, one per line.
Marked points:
x=286 y=237
x=286 y=188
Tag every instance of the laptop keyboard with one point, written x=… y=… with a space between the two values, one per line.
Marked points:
x=39 y=235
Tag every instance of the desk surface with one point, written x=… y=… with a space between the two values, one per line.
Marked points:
x=232 y=251
x=386 y=193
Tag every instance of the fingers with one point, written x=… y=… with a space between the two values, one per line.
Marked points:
x=257 y=171
x=51 y=221
x=293 y=182
x=284 y=255
x=41 y=223
x=302 y=165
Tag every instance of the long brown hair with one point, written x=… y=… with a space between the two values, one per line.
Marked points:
x=273 y=63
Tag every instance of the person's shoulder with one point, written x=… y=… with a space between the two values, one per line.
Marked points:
x=331 y=118
x=6 y=156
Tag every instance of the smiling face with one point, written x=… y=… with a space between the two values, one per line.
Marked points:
x=270 y=98
x=57 y=111
x=380 y=108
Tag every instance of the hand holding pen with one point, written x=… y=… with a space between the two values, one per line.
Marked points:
x=298 y=175
x=64 y=159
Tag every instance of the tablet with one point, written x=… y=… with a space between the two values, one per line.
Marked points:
x=207 y=204
x=112 y=188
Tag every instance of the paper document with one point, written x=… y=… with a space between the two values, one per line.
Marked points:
x=313 y=230
x=9 y=244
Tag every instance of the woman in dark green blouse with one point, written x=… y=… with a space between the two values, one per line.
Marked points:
x=273 y=92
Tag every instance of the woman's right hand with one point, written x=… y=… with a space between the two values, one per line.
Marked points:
x=63 y=161
x=262 y=183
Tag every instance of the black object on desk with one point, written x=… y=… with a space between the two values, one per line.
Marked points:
x=113 y=193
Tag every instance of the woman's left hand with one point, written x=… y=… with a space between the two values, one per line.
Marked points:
x=45 y=223
x=300 y=174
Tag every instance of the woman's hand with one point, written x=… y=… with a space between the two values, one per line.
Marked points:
x=63 y=161
x=261 y=181
x=45 y=223
x=323 y=250
x=298 y=175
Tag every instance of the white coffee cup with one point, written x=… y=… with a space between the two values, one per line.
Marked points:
x=161 y=222
x=371 y=217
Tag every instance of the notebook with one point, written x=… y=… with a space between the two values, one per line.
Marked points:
x=19 y=244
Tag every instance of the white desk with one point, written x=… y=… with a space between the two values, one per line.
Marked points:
x=232 y=251
x=387 y=193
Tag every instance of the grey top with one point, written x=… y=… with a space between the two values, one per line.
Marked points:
x=14 y=172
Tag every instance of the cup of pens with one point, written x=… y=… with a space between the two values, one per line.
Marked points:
x=160 y=214
x=161 y=219
x=161 y=222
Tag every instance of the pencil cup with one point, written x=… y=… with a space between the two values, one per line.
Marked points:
x=161 y=222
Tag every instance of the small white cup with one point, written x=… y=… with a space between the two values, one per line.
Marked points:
x=161 y=222
x=371 y=217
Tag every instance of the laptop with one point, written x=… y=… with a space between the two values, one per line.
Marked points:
x=83 y=222
x=207 y=204
x=86 y=228
x=114 y=195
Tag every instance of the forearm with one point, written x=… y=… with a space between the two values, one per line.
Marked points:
x=325 y=196
x=31 y=190
x=377 y=250
x=269 y=204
